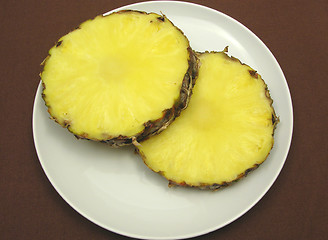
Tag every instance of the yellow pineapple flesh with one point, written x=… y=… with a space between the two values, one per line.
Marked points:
x=226 y=131
x=120 y=77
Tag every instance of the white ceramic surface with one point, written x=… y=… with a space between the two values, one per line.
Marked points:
x=114 y=189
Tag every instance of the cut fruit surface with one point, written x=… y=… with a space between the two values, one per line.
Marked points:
x=226 y=131
x=120 y=77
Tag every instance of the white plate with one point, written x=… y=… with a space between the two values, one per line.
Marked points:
x=114 y=189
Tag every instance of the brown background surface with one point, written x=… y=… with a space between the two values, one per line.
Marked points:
x=296 y=205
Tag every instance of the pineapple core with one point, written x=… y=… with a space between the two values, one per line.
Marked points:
x=226 y=130
x=115 y=73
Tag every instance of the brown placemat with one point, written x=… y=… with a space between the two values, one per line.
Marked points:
x=296 y=205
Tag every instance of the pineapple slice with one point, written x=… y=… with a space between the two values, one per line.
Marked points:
x=119 y=78
x=226 y=131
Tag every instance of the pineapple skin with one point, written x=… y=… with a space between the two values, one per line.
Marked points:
x=218 y=186
x=151 y=127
